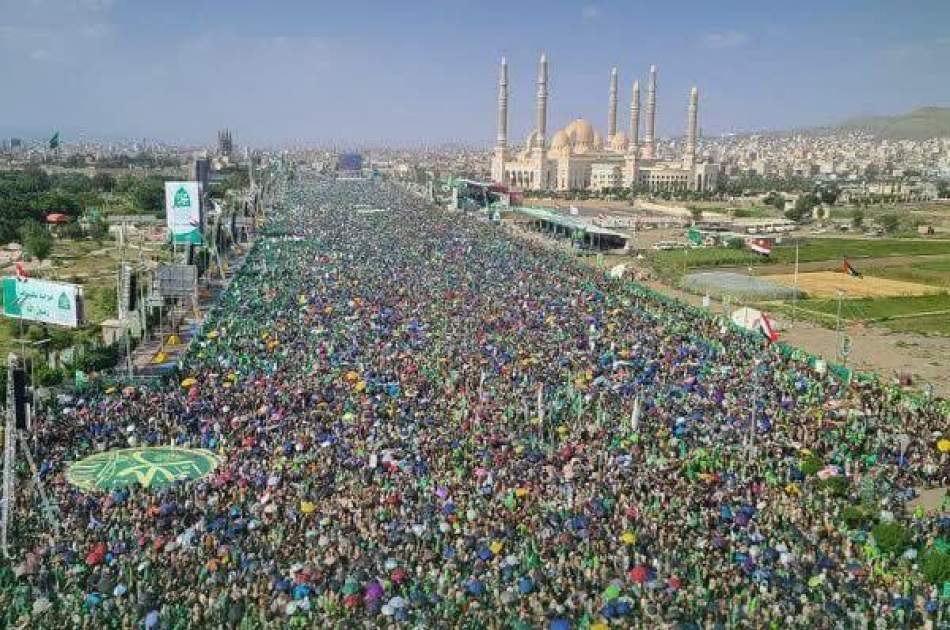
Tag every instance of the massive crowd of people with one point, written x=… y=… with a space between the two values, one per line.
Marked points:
x=425 y=422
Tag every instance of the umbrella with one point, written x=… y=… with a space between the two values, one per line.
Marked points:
x=943 y=445
x=638 y=574
x=373 y=591
x=189 y=382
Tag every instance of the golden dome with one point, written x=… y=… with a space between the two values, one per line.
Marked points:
x=560 y=140
x=580 y=132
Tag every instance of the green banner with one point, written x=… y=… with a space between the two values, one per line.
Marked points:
x=42 y=301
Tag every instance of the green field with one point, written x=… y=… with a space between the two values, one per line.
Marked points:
x=673 y=263
x=869 y=309
x=926 y=314
x=933 y=272
x=837 y=248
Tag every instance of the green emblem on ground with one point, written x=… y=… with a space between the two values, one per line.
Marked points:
x=148 y=467
x=182 y=199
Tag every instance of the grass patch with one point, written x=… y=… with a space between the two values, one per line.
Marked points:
x=865 y=309
x=932 y=272
x=925 y=325
x=837 y=248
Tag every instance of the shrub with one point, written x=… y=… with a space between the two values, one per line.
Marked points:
x=852 y=516
x=735 y=243
x=836 y=486
x=936 y=567
x=857 y=516
x=891 y=538
x=811 y=465
x=47 y=376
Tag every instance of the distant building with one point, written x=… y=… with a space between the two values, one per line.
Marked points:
x=578 y=157
x=201 y=171
x=349 y=164
x=225 y=143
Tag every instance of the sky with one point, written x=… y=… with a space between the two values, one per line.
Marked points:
x=415 y=72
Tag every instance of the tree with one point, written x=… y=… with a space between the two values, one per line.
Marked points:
x=890 y=222
x=857 y=219
x=97 y=229
x=37 y=241
x=891 y=538
x=935 y=566
x=126 y=184
x=104 y=182
x=803 y=207
x=829 y=194
x=149 y=194
x=56 y=201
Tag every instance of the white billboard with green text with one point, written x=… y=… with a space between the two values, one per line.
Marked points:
x=43 y=301
x=183 y=211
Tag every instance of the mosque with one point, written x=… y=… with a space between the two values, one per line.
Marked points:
x=578 y=157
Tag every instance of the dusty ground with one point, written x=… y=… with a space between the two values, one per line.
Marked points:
x=826 y=284
x=932 y=500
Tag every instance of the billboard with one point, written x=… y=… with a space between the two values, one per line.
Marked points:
x=176 y=280
x=350 y=162
x=43 y=301
x=183 y=211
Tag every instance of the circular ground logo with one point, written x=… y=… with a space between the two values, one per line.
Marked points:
x=148 y=467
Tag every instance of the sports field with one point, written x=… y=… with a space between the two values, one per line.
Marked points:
x=826 y=284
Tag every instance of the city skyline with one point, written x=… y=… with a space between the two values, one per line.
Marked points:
x=426 y=73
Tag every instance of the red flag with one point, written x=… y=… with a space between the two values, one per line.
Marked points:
x=767 y=328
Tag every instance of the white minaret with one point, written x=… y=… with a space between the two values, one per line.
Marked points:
x=612 y=109
x=633 y=145
x=503 y=105
x=649 y=138
x=692 y=125
x=542 y=107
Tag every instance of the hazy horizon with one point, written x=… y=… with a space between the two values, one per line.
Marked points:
x=425 y=73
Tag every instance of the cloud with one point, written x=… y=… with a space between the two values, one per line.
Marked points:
x=590 y=12
x=724 y=39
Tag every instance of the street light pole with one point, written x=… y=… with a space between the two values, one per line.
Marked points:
x=838 y=327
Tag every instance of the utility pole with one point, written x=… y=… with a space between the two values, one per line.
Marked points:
x=838 y=328
x=795 y=294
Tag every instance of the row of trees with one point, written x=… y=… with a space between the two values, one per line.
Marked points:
x=31 y=194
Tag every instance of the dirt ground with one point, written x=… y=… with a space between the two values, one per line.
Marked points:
x=825 y=284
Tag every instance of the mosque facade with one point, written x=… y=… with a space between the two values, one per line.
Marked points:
x=577 y=157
